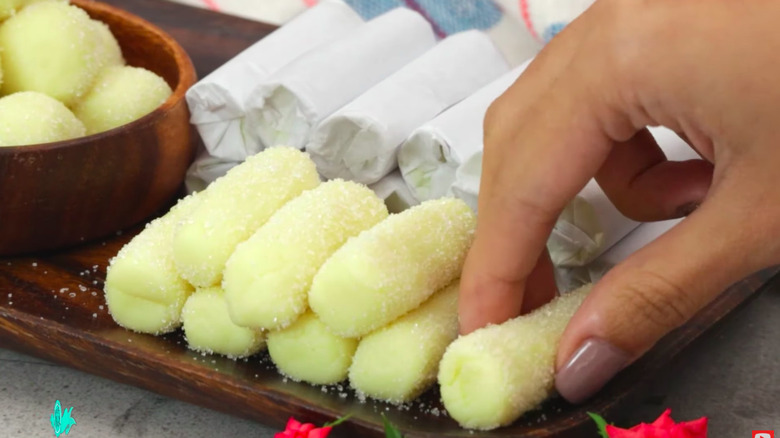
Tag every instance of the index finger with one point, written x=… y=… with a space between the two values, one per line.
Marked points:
x=545 y=138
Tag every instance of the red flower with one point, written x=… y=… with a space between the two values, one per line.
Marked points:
x=663 y=427
x=295 y=429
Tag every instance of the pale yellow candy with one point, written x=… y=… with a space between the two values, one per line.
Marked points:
x=144 y=292
x=307 y=351
x=399 y=362
x=32 y=118
x=391 y=268
x=208 y=328
x=108 y=44
x=489 y=378
x=53 y=48
x=8 y=8
x=236 y=206
x=120 y=95
x=267 y=279
x=24 y=3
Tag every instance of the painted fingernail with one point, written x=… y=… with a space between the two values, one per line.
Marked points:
x=589 y=369
x=686 y=209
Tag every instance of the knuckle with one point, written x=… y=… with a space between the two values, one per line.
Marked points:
x=655 y=301
x=535 y=211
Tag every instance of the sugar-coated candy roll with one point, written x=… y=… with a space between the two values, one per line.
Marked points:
x=492 y=376
x=236 y=206
x=307 y=351
x=31 y=118
x=419 y=339
x=120 y=95
x=267 y=279
x=53 y=48
x=208 y=328
x=144 y=292
x=391 y=268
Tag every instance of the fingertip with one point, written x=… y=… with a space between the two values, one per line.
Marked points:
x=487 y=299
x=589 y=369
x=484 y=301
x=487 y=294
x=587 y=356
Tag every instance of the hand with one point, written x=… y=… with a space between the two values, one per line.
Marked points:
x=709 y=71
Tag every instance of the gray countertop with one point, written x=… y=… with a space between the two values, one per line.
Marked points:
x=732 y=375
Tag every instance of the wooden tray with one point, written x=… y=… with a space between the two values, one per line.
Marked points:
x=52 y=306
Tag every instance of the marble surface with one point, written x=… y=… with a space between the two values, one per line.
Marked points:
x=732 y=375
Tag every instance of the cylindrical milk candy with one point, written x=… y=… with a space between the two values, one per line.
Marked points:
x=419 y=338
x=236 y=206
x=307 y=351
x=144 y=291
x=492 y=376
x=267 y=279
x=208 y=328
x=391 y=268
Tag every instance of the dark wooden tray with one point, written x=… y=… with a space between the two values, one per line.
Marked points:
x=52 y=306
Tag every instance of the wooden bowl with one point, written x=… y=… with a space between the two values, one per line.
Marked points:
x=59 y=194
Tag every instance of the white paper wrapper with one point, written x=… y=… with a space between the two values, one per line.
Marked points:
x=360 y=141
x=637 y=239
x=615 y=226
x=430 y=156
x=216 y=102
x=577 y=236
x=611 y=222
x=285 y=108
x=569 y=278
x=393 y=190
x=205 y=170
x=467 y=179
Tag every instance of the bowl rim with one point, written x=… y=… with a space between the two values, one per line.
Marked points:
x=187 y=77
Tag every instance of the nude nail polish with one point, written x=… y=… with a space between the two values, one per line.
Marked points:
x=590 y=368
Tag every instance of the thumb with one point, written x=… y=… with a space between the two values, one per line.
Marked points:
x=658 y=289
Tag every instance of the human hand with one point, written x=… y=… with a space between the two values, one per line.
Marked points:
x=706 y=70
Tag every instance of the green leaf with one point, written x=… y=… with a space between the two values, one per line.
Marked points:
x=337 y=421
x=600 y=423
x=390 y=430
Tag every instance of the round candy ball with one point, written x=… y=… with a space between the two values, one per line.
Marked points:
x=10 y=7
x=120 y=95
x=108 y=46
x=33 y=118
x=53 y=48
